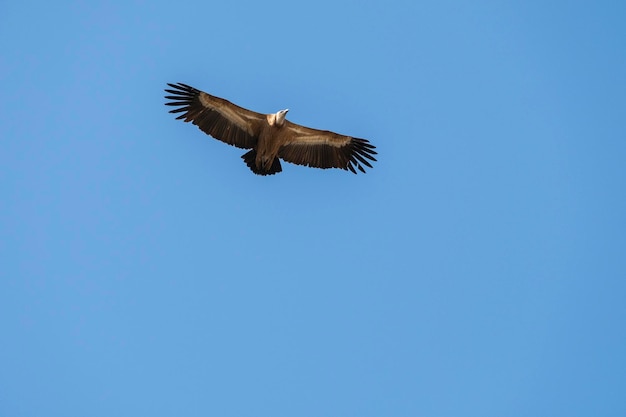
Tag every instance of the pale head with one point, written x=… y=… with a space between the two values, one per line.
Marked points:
x=280 y=117
x=277 y=118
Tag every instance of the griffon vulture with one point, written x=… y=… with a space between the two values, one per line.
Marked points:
x=269 y=137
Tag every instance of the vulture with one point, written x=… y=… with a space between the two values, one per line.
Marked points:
x=270 y=137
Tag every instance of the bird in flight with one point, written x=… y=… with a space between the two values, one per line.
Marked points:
x=270 y=137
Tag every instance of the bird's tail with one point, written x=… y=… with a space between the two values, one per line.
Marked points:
x=250 y=159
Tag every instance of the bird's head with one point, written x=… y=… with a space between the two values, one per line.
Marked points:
x=280 y=117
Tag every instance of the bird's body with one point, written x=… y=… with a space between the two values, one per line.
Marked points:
x=270 y=137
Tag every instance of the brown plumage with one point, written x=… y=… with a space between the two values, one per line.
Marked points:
x=269 y=136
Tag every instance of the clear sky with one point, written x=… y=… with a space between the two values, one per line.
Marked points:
x=477 y=270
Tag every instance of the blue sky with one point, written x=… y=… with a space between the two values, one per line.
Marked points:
x=477 y=270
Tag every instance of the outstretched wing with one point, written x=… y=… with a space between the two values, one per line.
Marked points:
x=324 y=149
x=215 y=116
